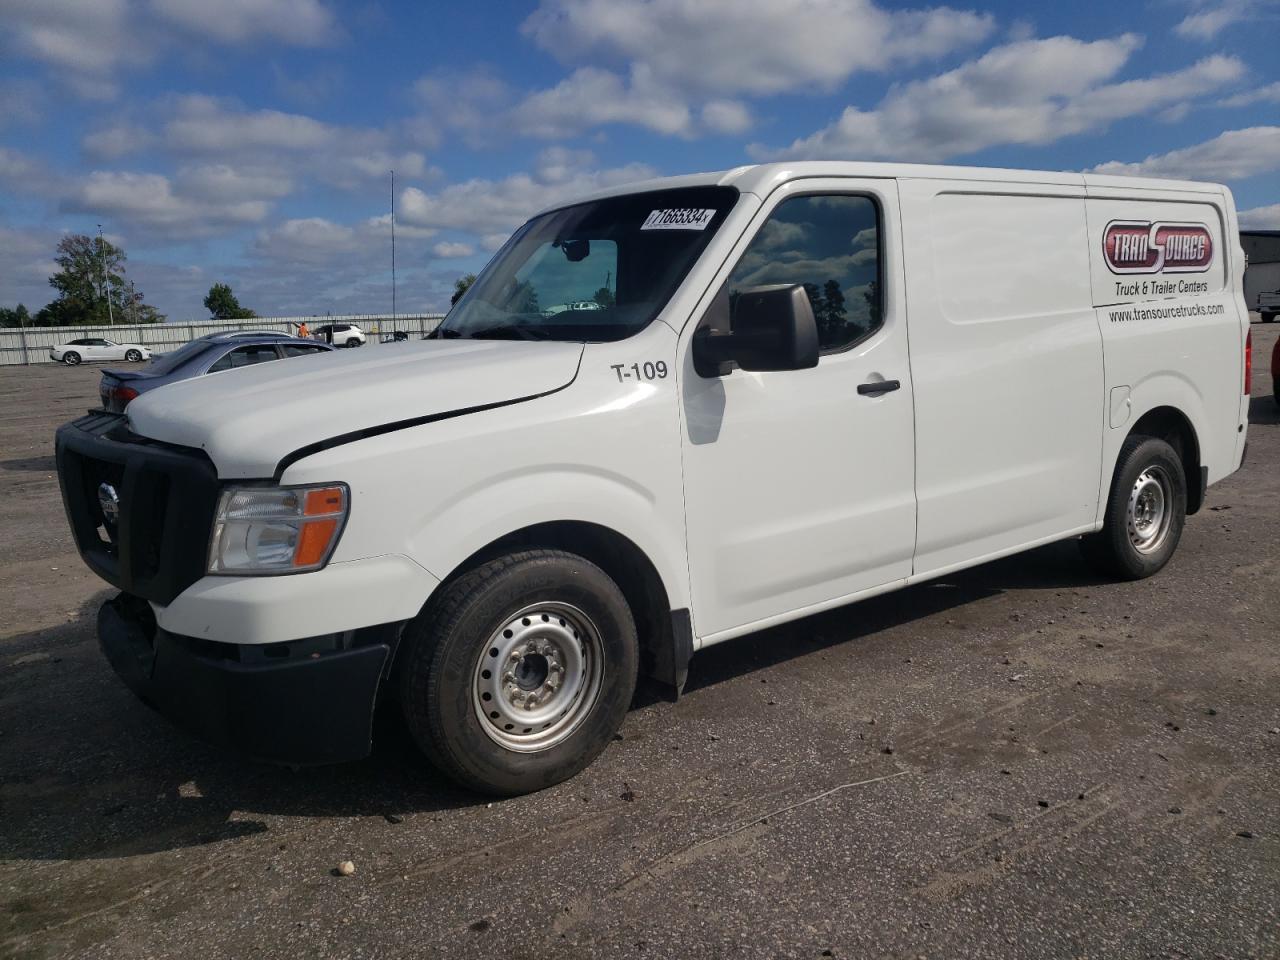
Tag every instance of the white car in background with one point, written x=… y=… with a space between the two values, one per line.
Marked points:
x=96 y=348
x=340 y=335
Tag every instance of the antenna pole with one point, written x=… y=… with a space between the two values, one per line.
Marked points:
x=393 y=247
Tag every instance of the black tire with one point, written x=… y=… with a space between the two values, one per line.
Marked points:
x=444 y=654
x=1268 y=317
x=71 y=358
x=1114 y=550
x=133 y=356
x=353 y=342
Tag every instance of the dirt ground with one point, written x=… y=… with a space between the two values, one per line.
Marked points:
x=1017 y=761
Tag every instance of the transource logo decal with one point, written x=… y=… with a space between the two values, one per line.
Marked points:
x=1140 y=246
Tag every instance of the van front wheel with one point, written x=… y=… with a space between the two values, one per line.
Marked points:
x=518 y=675
x=1146 y=510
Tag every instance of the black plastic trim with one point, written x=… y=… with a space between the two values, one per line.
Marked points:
x=671 y=665
x=167 y=497
x=302 y=702
x=876 y=387
x=1197 y=498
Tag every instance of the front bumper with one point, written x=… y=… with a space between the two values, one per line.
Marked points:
x=305 y=702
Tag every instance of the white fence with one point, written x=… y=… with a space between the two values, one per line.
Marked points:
x=19 y=345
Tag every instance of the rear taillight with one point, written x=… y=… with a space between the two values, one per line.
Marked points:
x=1248 y=363
x=118 y=395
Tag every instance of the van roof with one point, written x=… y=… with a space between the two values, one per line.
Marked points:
x=760 y=179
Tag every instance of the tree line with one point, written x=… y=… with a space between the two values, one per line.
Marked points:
x=93 y=290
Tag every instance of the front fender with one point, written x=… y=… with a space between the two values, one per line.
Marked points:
x=605 y=450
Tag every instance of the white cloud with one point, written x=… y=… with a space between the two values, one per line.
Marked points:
x=86 y=44
x=1210 y=19
x=313 y=264
x=674 y=66
x=220 y=182
x=726 y=116
x=27 y=176
x=290 y=145
x=307 y=240
x=1266 y=94
x=447 y=250
x=304 y=23
x=1232 y=155
x=26 y=263
x=1261 y=218
x=1029 y=92
x=592 y=97
x=491 y=207
x=82 y=42
x=750 y=46
x=149 y=201
x=118 y=140
x=208 y=126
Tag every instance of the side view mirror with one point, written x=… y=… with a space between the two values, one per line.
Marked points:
x=772 y=329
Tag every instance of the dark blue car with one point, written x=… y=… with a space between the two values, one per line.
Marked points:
x=208 y=354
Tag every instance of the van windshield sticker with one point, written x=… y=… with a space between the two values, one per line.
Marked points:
x=679 y=219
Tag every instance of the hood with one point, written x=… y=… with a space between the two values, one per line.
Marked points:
x=250 y=419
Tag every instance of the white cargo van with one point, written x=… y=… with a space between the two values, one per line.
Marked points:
x=761 y=394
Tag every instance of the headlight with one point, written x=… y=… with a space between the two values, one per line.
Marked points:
x=263 y=530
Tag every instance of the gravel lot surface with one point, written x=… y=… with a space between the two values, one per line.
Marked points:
x=1016 y=761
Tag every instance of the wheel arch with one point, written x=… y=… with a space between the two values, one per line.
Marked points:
x=1175 y=428
x=665 y=635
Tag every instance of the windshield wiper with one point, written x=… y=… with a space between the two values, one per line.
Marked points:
x=503 y=331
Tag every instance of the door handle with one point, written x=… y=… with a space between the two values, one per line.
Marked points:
x=877 y=387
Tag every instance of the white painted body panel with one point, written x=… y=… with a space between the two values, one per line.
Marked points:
x=1008 y=365
x=248 y=419
x=1003 y=436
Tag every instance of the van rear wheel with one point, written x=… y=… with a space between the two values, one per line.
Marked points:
x=518 y=675
x=1146 y=511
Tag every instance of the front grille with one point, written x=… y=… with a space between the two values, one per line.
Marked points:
x=166 y=494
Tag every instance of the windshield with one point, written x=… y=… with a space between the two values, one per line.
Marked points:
x=596 y=271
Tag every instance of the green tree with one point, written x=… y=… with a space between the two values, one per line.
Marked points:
x=92 y=289
x=461 y=286
x=835 y=312
x=604 y=297
x=15 y=316
x=875 y=308
x=223 y=305
x=818 y=304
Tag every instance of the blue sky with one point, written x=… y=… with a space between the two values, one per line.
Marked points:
x=249 y=141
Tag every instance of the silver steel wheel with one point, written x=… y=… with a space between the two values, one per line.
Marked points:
x=1150 y=509
x=538 y=677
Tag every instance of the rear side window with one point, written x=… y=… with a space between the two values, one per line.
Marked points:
x=246 y=357
x=298 y=350
x=831 y=245
x=168 y=362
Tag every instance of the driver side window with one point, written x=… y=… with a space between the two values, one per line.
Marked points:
x=831 y=245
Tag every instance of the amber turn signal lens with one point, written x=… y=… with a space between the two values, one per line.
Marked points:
x=313 y=542
x=323 y=502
